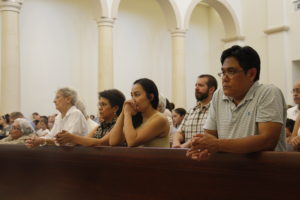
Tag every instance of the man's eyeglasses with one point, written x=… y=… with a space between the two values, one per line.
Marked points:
x=229 y=73
x=295 y=91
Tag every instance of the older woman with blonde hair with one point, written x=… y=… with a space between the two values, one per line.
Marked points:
x=70 y=119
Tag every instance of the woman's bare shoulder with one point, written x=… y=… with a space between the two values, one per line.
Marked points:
x=160 y=117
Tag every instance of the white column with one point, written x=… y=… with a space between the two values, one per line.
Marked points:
x=178 y=64
x=105 y=69
x=10 y=56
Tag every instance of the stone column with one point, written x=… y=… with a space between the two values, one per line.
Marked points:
x=105 y=69
x=178 y=63
x=10 y=56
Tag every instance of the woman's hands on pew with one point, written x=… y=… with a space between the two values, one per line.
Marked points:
x=295 y=141
x=64 y=137
x=34 y=142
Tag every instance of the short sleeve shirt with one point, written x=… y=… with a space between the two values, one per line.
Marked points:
x=262 y=103
x=74 y=122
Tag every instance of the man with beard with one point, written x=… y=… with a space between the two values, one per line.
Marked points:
x=194 y=120
x=245 y=116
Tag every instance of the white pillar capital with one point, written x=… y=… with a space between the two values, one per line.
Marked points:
x=237 y=38
x=178 y=33
x=105 y=22
x=10 y=5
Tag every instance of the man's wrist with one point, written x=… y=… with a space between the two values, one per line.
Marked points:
x=218 y=145
x=43 y=142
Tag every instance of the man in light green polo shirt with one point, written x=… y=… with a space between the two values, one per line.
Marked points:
x=245 y=116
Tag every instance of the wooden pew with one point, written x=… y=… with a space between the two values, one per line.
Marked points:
x=116 y=173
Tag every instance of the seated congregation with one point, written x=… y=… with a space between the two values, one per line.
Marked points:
x=242 y=116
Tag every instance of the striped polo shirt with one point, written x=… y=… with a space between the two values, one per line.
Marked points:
x=262 y=103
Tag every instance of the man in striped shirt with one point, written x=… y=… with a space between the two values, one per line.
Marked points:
x=194 y=120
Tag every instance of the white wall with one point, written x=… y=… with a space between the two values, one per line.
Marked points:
x=142 y=46
x=294 y=21
x=254 y=24
x=58 y=49
x=203 y=48
x=294 y=42
x=217 y=46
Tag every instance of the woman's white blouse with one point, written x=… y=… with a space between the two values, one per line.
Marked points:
x=74 y=122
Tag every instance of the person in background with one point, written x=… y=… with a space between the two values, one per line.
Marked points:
x=91 y=124
x=69 y=119
x=293 y=111
x=15 y=115
x=42 y=126
x=162 y=108
x=35 y=116
x=170 y=106
x=178 y=116
x=51 y=120
x=4 y=126
x=21 y=130
x=194 y=120
x=295 y=138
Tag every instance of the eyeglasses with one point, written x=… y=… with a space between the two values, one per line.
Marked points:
x=229 y=73
x=15 y=128
x=295 y=91
x=101 y=105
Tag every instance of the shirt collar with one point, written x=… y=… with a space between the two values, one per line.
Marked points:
x=200 y=106
x=69 y=111
x=105 y=125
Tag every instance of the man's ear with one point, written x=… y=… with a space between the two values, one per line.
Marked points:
x=211 y=90
x=252 y=73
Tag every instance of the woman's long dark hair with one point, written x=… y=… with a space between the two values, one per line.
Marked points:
x=150 y=88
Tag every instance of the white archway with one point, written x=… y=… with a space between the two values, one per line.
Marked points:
x=100 y=9
x=227 y=15
x=169 y=8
